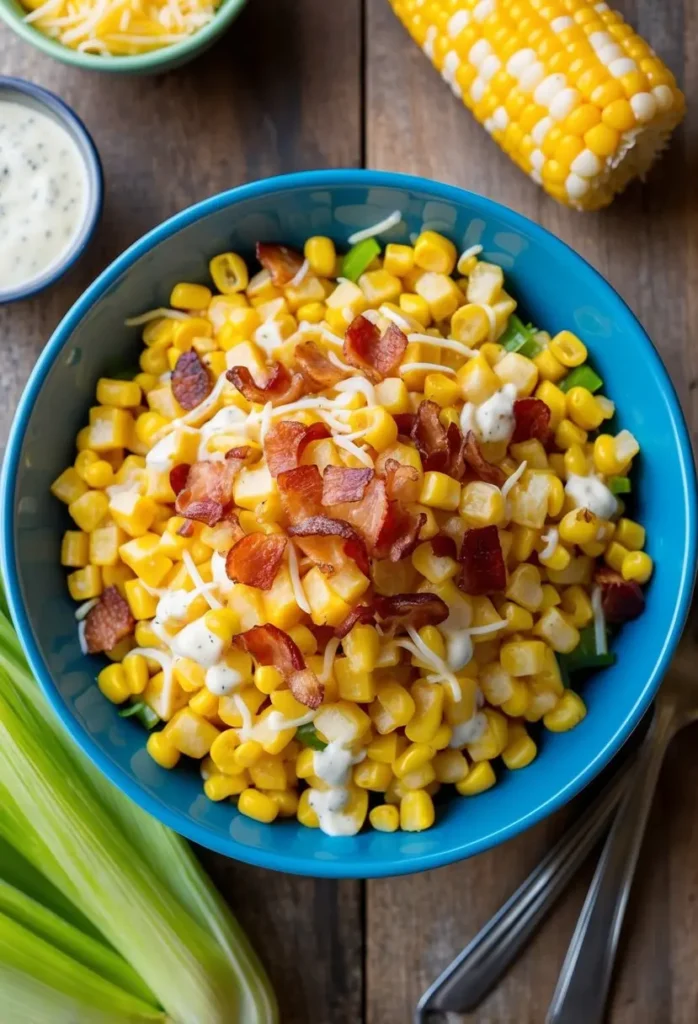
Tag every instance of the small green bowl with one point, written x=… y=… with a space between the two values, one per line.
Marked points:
x=153 y=63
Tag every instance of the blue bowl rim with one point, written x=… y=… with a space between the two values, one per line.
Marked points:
x=347 y=866
x=94 y=165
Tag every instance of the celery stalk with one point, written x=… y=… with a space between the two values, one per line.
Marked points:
x=137 y=881
x=42 y=984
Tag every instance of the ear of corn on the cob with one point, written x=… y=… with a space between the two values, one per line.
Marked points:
x=576 y=98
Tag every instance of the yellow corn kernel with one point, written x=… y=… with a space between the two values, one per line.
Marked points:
x=143 y=605
x=442 y=737
x=379 y=427
x=518 y=703
x=393 y=707
x=347 y=299
x=433 y=568
x=559 y=559
x=122 y=393
x=532 y=452
x=576 y=461
x=254 y=804
x=221 y=787
x=434 y=252
x=614 y=555
x=109 y=428
x=557 y=631
x=229 y=273
x=568 y=349
x=75 y=549
x=428 y=702
x=326 y=607
x=305 y=813
x=104 y=544
x=480 y=778
x=247 y=753
x=393 y=396
x=113 y=684
x=411 y=759
x=239 y=328
x=493 y=740
x=142 y=554
x=379 y=286
x=99 y=474
x=342 y=721
x=517 y=370
x=630 y=534
x=519 y=620
x=440 y=491
x=158 y=333
x=190 y=733
x=450 y=766
x=248 y=605
x=579 y=526
x=305 y=763
x=477 y=380
x=583 y=409
x=523 y=542
x=530 y=498
x=361 y=647
x=523 y=657
x=84 y=460
x=89 y=510
x=204 y=703
x=398 y=259
x=520 y=750
x=162 y=751
x=153 y=361
x=433 y=641
x=190 y=675
x=135 y=669
x=551 y=598
x=268 y=772
x=372 y=775
x=190 y=296
x=485 y=282
x=525 y=587
x=568 y=434
x=419 y=778
x=577 y=606
x=550 y=369
x=267 y=678
x=385 y=749
x=311 y=312
x=481 y=504
x=493 y=352
x=416 y=811
x=441 y=293
x=415 y=307
x=441 y=389
x=223 y=623
x=470 y=325
x=86 y=583
x=568 y=712
x=637 y=566
x=286 y=800
x=321 y=255
x=69 y=487
x=82 y=439
x=385 y=817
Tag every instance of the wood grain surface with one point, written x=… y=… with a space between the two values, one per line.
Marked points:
x=321 y=83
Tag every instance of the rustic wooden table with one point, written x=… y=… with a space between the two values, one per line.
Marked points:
x=322 y=83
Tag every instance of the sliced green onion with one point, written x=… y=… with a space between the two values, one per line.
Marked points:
x=307 y=734
x=581 y=377
x=143 y=712
x=519 y=337
x=584 y=656
x=619 y=485
x=359 y=257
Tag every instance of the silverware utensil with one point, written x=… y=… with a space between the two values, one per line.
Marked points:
x=592 y=951
x=475 y=971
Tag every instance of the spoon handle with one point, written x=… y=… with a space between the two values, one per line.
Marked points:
x=475 y=972
x=582 y=988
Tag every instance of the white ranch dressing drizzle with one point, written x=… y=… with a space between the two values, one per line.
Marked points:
x=494 y=419
x=468 y=732
x=43 y=193
x=333 y=764
x=221 y=679
x=592 y=493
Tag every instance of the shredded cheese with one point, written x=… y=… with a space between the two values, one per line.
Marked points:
x=201 y=587
x=599 y=622
x=442 y=673
x=360 y=384
x=336 y=361
x=297 y=278
x=435 y=367
x=448 y=343
x=551 y=538
x=376 y=229
x=490 y=627
x=328 y=661
x=348 y=445
x=152 y=314
x=296 y=582
x=513 y=479
x=83 y=610
x=81 y=636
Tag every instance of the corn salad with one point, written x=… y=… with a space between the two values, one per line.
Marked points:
x=350 y=532
x=571 y=93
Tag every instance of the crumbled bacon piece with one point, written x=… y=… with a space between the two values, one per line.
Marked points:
x=363 y=614
x=532 y=420
x=405 y=422
x=255 y=559
x=270 y=645
x=444 y=546
x=401 y=481
x=282 y=263
x=484 y=571
x=208 y=491
x=281 y=386
x=378 y=355
x=318 y=370
x=242 y=452
x=324 y=527
x=178 y=476
x=108 y=622
x=483 y=469
x=400 y=533
x=190 y=381
x=300 y=491
x=441 y=448
x=342 y=484
x=369 y=515
x=285 y=441
x=621 y=599
x=186 y=529
x=414 y=610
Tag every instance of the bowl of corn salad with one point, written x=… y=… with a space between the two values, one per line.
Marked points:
x=336 y=523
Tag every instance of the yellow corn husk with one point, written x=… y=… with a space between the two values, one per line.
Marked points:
x=575 y=97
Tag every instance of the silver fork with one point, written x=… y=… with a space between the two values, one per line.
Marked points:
x=592 y=951
x=475 y=972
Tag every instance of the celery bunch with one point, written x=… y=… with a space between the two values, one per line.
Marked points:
x=106 y=916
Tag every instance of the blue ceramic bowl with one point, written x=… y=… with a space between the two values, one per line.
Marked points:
x=16 y=90
x=557 y=290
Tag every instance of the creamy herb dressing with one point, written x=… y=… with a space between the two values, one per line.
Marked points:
x=592 y=493
x=221 y=679
x=468 y=732
x=333 y=764
x=196 y=641
x=494 y=418
x=329 y=804
x=43 y=193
